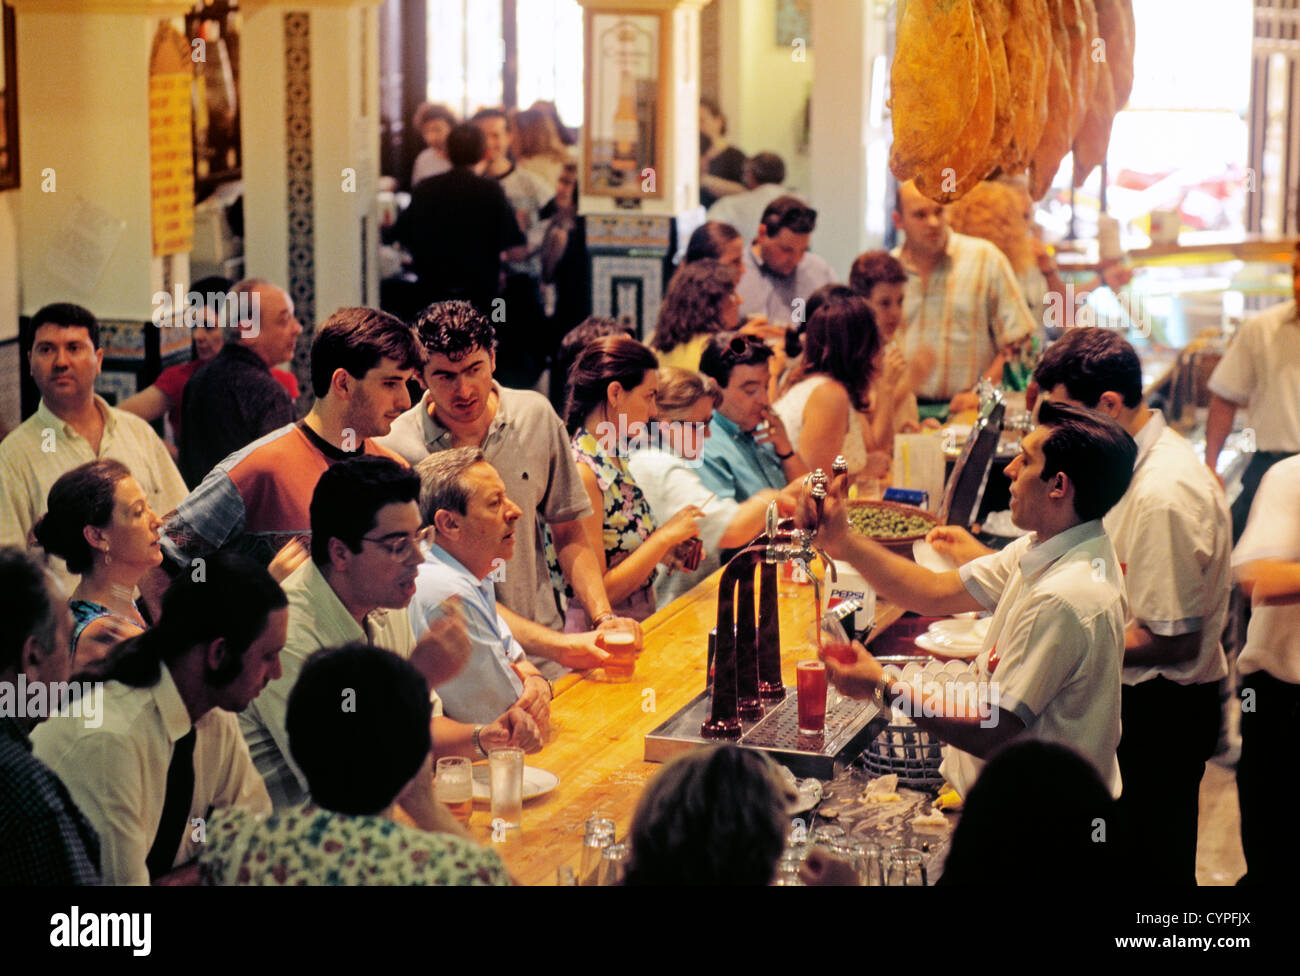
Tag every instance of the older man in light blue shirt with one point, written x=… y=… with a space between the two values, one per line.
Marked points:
x=490 y=682
x=463 y=502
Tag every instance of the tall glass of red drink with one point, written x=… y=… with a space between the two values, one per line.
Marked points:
x=810 y=684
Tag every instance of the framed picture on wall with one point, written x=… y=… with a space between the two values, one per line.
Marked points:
x=8 y=101
x=625 y=66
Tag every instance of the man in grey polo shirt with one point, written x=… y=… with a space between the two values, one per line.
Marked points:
x=524 y=440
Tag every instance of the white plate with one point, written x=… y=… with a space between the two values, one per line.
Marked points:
x=928 y=557
x=537 y=782
x=960 y=638
x=961 y=630
x=961 y=651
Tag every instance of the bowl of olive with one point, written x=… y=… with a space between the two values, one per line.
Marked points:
x=894 y=525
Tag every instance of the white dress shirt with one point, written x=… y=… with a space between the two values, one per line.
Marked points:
x=117 y=772
x=1053 y=649
x=1173 y=536
x=43 y=447
x=317 y=618
x=1273 y=532
x=1261 y=370
x=669 y=484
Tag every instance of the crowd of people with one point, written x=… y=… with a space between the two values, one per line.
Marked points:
x=443 y=561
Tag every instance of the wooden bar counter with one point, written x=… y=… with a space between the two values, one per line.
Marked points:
x=598 y=729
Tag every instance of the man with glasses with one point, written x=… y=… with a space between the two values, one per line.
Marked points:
x=356 y=587
x=781 y=271
x=740 y=459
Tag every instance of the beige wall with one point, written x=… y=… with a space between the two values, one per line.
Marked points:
x=86 y=118
x=9 y=264
x=763 y=89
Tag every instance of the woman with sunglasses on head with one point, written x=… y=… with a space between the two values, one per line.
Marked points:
x=827 y=395
x=611 y=401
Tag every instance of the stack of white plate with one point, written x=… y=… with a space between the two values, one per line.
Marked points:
x=961 y=637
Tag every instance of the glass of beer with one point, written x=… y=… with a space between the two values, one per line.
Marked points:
x=620 y=643
x=453 y=785
x=810 y=687
x=506 y=769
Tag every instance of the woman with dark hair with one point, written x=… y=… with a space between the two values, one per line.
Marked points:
x=827 y=393
x=98 y=520
x=700 y=302
x=611 y=401
x=719 y=241
x=715 y=816
x=358 y=764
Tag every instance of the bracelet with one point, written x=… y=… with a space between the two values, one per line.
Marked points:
x=478 y=746
x=607 y=615
x=785 y=457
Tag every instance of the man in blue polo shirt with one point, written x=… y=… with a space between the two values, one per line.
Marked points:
x=749 y=450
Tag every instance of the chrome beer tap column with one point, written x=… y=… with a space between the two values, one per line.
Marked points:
x=747 y=658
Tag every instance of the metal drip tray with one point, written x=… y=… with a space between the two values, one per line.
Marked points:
x=850 y=725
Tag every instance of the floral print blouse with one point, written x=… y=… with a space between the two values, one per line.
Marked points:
x=627 y=518
x=306 y=845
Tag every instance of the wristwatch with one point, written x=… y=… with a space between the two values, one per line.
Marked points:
x=478 y=746
x=884 y=688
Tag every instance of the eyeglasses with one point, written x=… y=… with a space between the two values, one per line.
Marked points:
x=398 y=546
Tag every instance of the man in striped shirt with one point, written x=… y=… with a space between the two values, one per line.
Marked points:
x=963 y=310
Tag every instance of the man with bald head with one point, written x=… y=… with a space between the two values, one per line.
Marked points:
x=963 y=310
x=233 y=400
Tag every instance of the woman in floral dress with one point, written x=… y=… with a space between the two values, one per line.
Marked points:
x=610 y=406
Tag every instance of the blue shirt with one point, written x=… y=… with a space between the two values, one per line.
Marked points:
x=488 y=685
x=734 y=465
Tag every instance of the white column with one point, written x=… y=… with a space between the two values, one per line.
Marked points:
x=849 y=157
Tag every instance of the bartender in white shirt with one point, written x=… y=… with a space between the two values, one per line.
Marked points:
x=1051 y=658
x=1173 y=535
x=1261 y=372
x=1267 y=563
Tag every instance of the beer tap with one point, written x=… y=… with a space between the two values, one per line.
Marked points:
x=747 y=660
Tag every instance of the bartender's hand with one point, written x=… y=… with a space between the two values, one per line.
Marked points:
x=822 y=868
x=581 y=652
x=955 y=543
x=833 y=530
x=515 y=728
x=858 y=678
x=444 y=650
